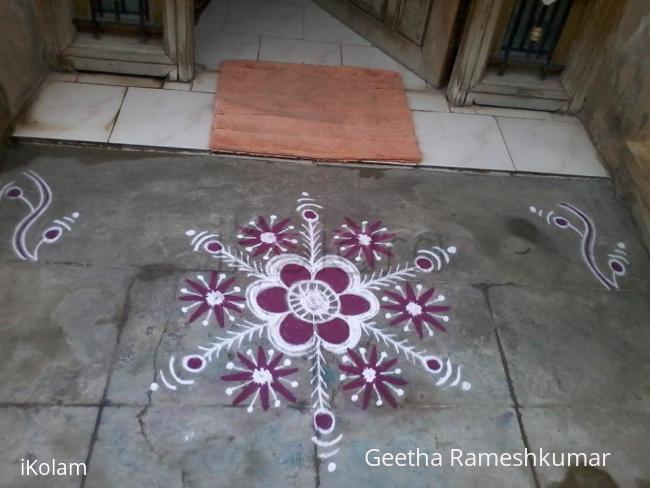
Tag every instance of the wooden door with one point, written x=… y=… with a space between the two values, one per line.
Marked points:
x=418 y=33
x=410 y=20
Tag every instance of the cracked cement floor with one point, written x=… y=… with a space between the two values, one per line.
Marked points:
x=556 y=360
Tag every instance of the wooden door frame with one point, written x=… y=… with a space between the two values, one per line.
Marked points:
x=471 y=62
x=172 y=59
x=178 y=35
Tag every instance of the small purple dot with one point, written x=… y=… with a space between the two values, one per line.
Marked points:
x=52 y=234
x=561 y=221
x=434 y=365
x=616 y=266
x=324 y=421
x=14 y=192
x=424 y=263
x=214 y=246
x=195 y=363
x=310 y=215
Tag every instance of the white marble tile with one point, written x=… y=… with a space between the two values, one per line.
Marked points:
x=321 y=26
x=205 y=81
x=560 y=117
x=166 y=118
x=177 y=85
x=213 y=17
x=299 y=51
x=371 y=57
x=119 y=80
x=470 y=109
x=461 y=141
x=213 y=47
x=72 y=111
x=262 y=18
x=62 y=76
x=515 y=113
x=551 y=147
x=503 y=112
x=431 y=100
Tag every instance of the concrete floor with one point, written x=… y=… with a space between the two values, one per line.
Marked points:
x=555 y=354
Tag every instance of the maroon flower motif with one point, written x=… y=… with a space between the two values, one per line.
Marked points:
x=268 y=238
x=212 y=297
x=417 y=308
x=262 y=378
x=372 y=375
x=369 y=241
x=308 y=303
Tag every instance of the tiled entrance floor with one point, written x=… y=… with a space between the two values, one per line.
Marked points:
x=141 y=111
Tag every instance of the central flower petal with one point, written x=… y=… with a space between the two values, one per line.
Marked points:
x=335 y=331
x=295 y=331
x=273 y=299
x=294 y=272
x=336 y=278
x=353 y=304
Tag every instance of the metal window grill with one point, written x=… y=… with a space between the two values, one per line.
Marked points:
x=533 y=33
x=132 y=14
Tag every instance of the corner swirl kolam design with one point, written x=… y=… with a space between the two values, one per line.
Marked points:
x=35 y=210
x=581 y=224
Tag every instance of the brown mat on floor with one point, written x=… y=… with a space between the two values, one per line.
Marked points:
x=330 y=113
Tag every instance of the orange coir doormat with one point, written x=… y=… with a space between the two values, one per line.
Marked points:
x=327 y=113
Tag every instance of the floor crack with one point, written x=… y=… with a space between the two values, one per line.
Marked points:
x=485 y=290
x=143 y=428
x=120 y=327
x=143 y=412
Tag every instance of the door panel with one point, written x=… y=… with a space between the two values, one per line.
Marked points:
x=413 y=18
x=420 y=34
x=376 y=8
